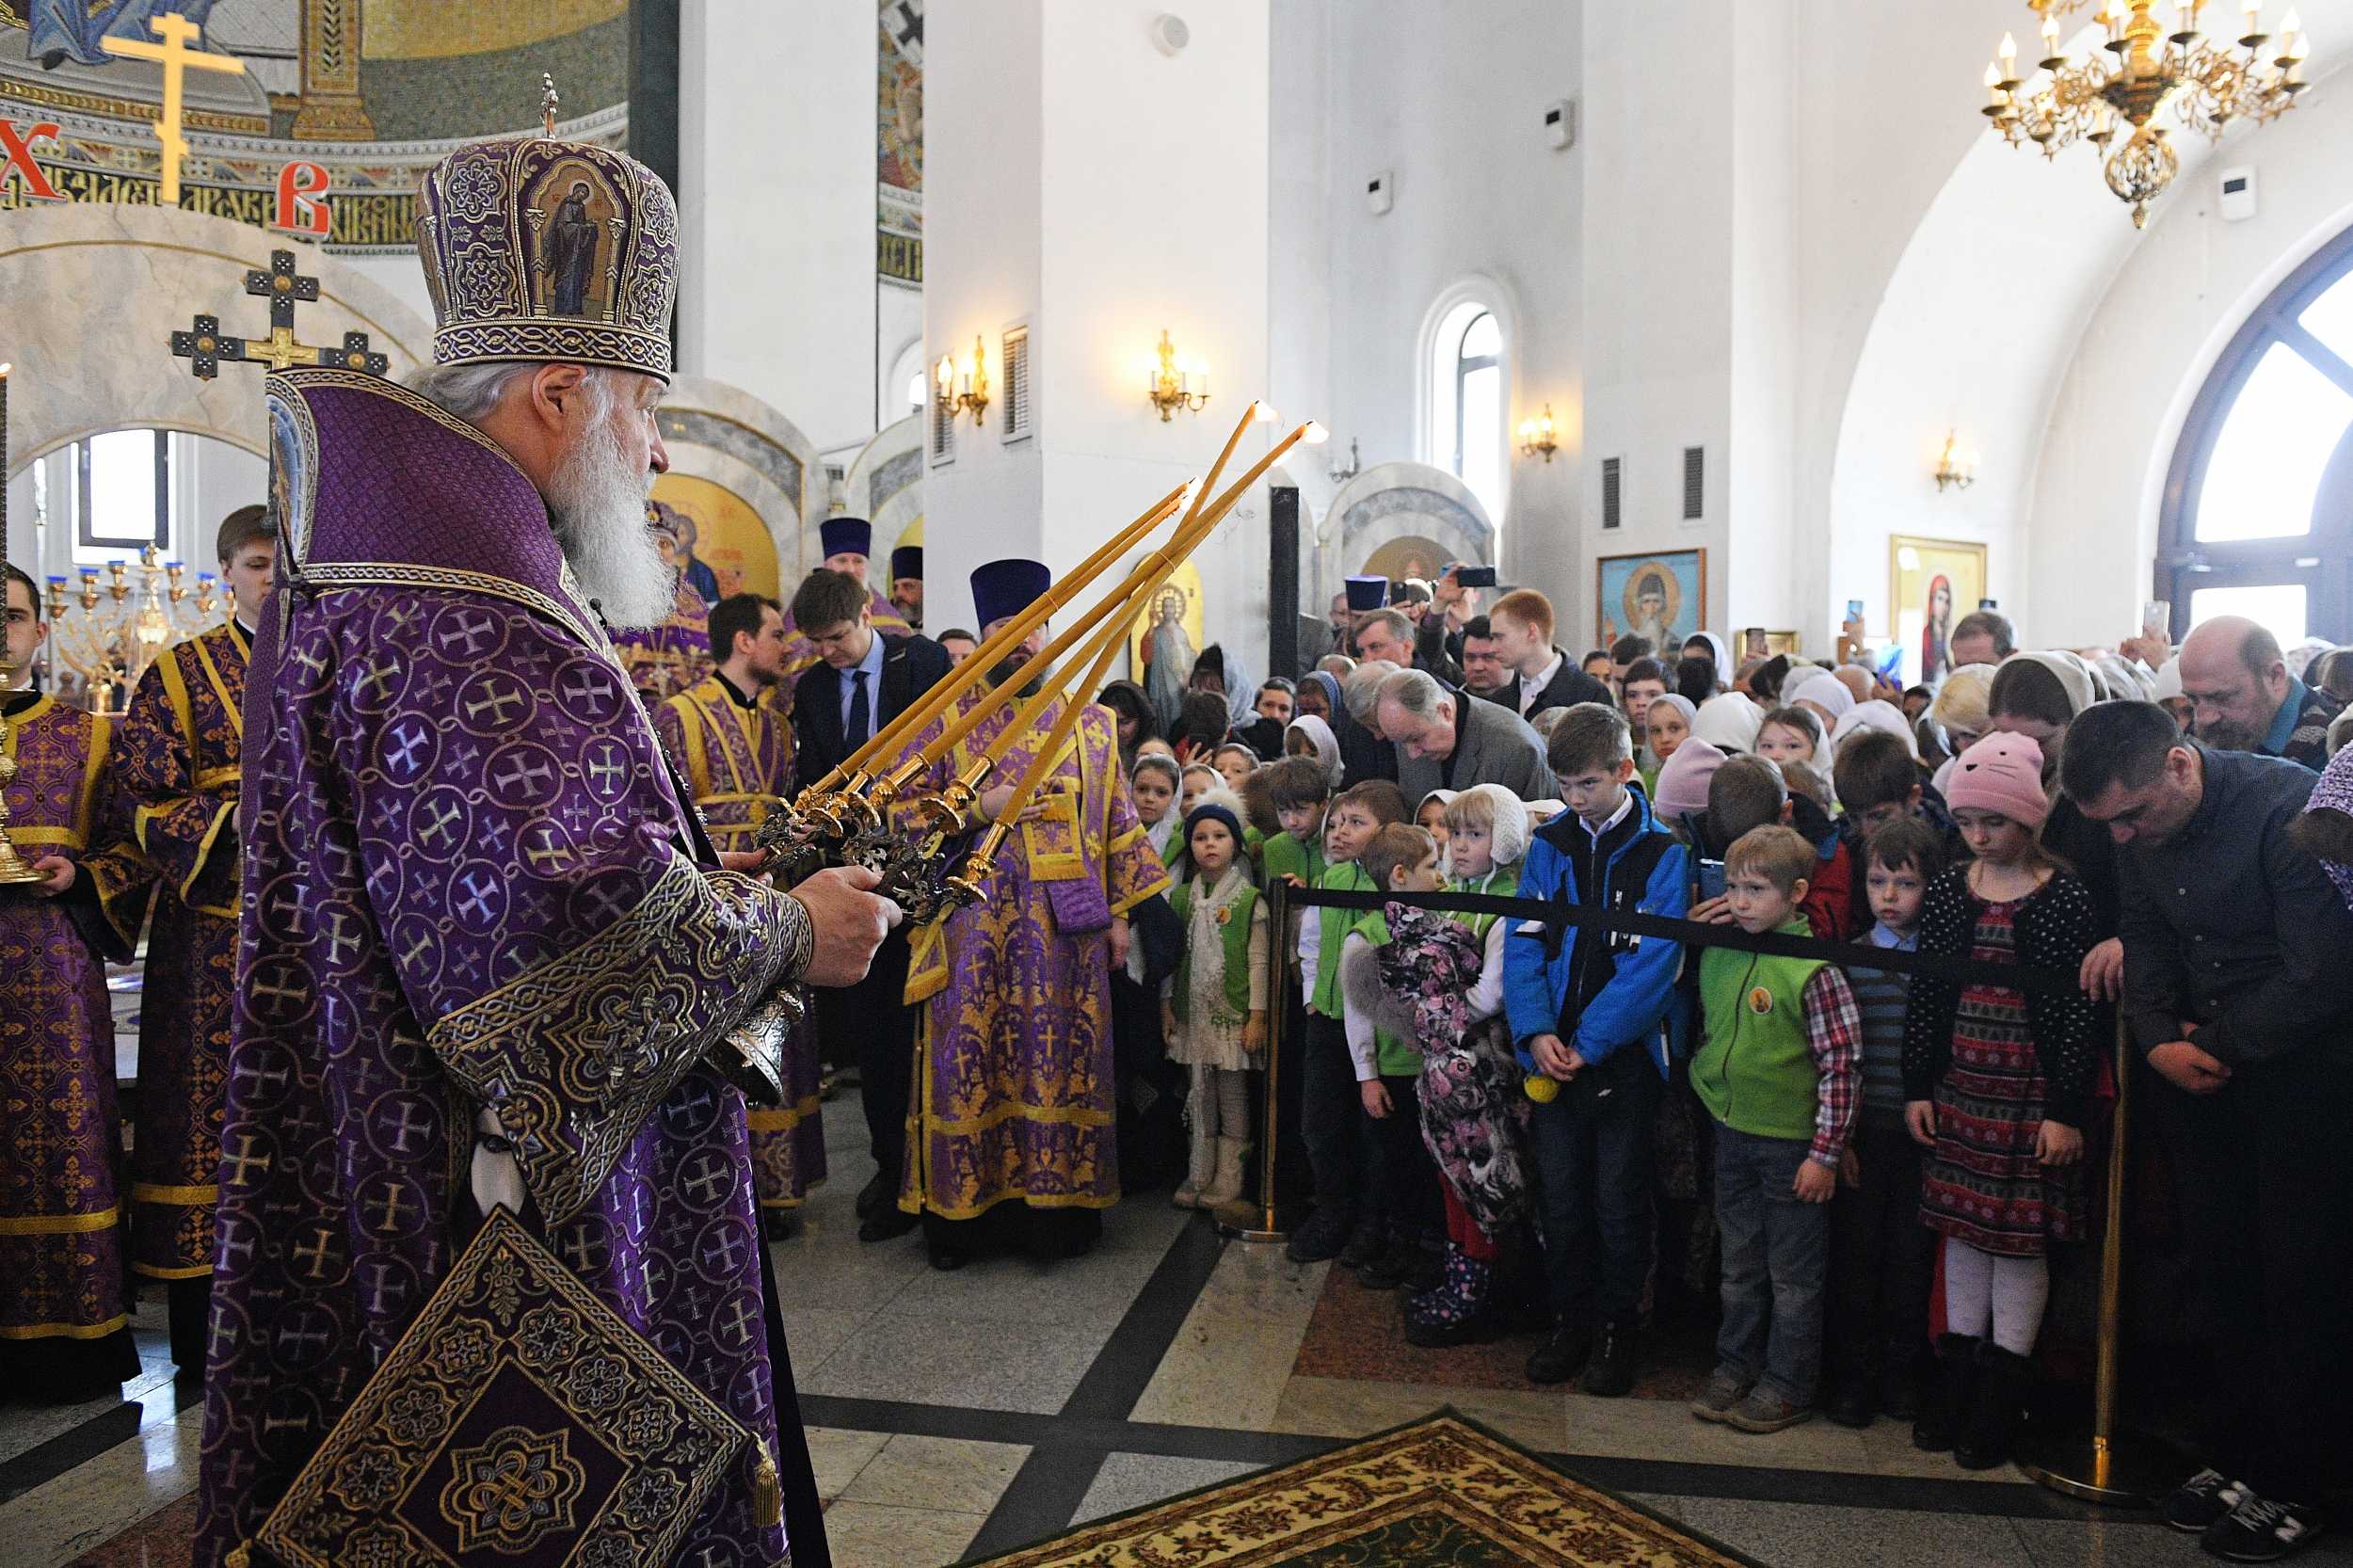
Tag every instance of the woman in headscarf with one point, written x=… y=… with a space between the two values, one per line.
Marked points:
x=1822 y=691
x=1319 y=696
x=1875 y=714
x=1729 y=722
x=1708 y=645
x=1223 y=673
x=1309 y=736
x=1960 y=713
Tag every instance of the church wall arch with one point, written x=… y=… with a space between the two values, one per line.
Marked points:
x=885 y=485
x=1392 y=502
x=94 y=293
x=733 y=458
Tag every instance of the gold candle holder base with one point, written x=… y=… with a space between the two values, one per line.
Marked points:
x=2126 y=1470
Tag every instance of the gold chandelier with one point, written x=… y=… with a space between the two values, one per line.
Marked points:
x=2136 y=77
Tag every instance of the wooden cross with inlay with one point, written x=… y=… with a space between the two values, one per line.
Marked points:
x=207 y=345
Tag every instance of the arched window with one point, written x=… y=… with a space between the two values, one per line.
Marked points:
x=1466 y=413
x=2257 y=514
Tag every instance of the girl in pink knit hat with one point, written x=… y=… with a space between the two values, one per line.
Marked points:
x=1997 y=1082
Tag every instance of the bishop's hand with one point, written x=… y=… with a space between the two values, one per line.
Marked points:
x=849 y=921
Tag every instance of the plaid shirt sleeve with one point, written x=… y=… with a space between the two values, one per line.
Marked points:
x=1834 y=1032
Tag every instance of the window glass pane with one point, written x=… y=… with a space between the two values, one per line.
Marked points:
x=1483 y=340
x=2276 y=607
x=2275 y=444
x=917 y=391
x=121 y=498
x=1482 y=437
x=2329 y=318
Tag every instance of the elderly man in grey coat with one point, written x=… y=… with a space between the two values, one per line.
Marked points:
x=1448 y=739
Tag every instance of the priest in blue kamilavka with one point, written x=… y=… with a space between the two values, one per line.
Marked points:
x=1010 y=1132
x=847 y=543
x=489 y=961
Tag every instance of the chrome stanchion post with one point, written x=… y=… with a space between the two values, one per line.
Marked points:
x=1268 y=1228
x=2107 y=1464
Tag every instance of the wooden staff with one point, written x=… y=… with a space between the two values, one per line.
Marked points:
x=1189 y=534
x=1141 y=584
x=1161 y=565
x=985 y=656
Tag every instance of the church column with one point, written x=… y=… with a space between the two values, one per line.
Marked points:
x=1691 y=301
x=1088 y=187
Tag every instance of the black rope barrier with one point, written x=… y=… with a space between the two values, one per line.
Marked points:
x=1698 y=934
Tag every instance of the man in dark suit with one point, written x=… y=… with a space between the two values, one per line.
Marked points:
x=862 y=680
x=1543 y=676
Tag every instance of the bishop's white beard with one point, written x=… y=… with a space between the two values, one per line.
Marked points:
x=599 y=506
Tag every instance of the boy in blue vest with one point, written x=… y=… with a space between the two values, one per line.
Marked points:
x=1781 y=1073
x=1587 y=1009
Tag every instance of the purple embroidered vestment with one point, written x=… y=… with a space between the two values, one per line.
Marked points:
x=469 y=885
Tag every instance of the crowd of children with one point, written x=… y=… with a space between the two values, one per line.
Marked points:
x=1481 y=1100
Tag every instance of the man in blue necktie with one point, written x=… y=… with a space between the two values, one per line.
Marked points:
x=863 y=679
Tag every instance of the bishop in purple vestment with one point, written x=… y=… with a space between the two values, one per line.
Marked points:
x=487 y=956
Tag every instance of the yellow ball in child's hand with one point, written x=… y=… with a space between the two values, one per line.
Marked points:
x=1542 y=1089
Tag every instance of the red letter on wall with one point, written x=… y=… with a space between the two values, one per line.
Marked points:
x=19 y=151
x=302 y=206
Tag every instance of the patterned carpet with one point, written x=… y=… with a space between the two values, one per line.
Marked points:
x=1360 y=1333
x=1441 y=1492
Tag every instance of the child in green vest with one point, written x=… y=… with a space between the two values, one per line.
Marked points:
x=1214 y=1016
x=1781 y=1074
x=1404 y=1191
x=1300 y=791
x=1330 y=1121
x=1473 y=1115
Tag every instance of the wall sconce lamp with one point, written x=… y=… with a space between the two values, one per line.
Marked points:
x=1538 y=434
x=963 y=388
x=1954 y=468
x=1172 y=384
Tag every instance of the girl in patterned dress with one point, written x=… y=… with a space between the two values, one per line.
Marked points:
x=1996 y=1084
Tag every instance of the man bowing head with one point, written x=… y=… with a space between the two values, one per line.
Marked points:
x=486 y=954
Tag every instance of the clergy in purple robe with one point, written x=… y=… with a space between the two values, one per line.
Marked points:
x=1010 y=1123
x=736 y=752
x=487 y=956
x=177 y=764
x=64 y=1313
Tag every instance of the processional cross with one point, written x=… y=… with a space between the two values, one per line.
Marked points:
x=207 y=346
x=176 y=57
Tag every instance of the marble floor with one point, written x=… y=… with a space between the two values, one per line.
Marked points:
x=951 y=1417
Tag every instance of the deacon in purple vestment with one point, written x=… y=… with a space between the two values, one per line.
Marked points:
x=1013 y=1096
x=486 y=955
x=64 y=1315
x=177 y=765
x=736 y=752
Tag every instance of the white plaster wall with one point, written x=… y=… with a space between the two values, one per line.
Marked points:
x=983 y=84
x=1450 y=99
x=1658 y=295
x=2147 y=347
x=776 y=209
x=1761 y=542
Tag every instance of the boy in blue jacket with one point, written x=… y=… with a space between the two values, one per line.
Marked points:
x=1587 y=1009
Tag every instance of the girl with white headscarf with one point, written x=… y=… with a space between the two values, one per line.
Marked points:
x=1729 y=722
x=1323 y=745
x=1718 y=650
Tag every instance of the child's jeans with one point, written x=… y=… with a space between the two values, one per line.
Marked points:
x=1332 y=1119
x=1592 y=1147
x=1776 y=1256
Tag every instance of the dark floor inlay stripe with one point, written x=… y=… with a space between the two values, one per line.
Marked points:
x=78 y=1445
x=1042 y=1498
x=1138 y=1345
